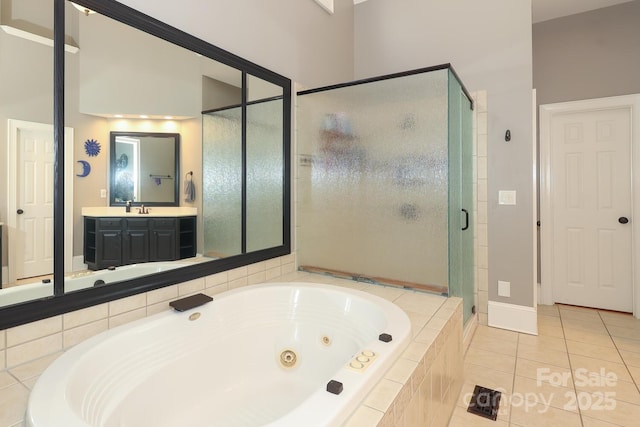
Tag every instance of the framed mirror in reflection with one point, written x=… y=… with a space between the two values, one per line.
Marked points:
x=134 y=78
x=144 y=168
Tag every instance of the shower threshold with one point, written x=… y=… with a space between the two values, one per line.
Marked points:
x=438 y=289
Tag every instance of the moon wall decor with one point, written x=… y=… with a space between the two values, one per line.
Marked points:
x=86 y=168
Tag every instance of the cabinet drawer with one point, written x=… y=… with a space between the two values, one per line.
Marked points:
x=137 y=224
x=163 y=223
x=109 y=224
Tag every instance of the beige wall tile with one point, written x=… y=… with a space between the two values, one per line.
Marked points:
x=482 y=192
x=34 y=349
x=6 y=380
x=127 y=304
x=258 y=267
x=288 y=259
x=237 y=273
x=238 y=283
x=84 y=316
x=272 y=263
x=272 y=273
x=191 y=287
x=254 y=279
x=34 y=368
x=34 y=330
x=481 y=101
x=416 y=351
x=13 y=404
x=127 y=317
x=383 y=395
x=401 y=370
x=73 y=336
x=158 y=308
x=168 y=293
x=215 y=290
x=288 y=268
x=216 y=279
x=364 y=417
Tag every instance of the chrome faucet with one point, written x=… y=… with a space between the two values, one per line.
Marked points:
x=142 y=210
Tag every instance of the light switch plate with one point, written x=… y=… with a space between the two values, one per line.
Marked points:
x=103 y=193
x=506 y=197
x=504 y=289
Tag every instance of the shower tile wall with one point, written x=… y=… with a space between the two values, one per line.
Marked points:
x=480 y=147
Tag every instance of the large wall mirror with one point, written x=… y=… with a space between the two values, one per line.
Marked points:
x=124 y=86
x=144 y=168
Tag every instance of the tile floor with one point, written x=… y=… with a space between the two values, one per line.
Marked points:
x=583 y=369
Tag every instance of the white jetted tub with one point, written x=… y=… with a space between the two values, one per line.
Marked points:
x=261 y=355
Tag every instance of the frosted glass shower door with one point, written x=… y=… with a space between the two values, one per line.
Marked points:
x=222 y=182
x=461 y=278
x=373 y=180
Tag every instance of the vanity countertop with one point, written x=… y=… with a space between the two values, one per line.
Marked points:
x=119 y=211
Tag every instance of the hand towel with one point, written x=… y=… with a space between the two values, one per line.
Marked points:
x=189 y=191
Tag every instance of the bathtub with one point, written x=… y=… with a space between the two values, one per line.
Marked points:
x=77 y=281
x=256 y=356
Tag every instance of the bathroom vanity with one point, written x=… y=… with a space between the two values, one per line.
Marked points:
x=113 y=238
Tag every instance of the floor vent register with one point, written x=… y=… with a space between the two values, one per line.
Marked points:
x=485 y=402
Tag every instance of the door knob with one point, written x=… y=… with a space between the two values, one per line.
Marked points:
x=623 y=220
x=19 y=211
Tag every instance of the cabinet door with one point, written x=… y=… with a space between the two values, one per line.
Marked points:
x=109 y=248
x=136 y=246
x=163 y=239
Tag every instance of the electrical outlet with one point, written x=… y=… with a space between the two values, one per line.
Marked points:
x=504 y=289
x=103 y=193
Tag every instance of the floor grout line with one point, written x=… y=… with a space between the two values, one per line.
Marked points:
x=620 y=354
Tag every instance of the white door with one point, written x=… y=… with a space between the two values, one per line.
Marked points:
x=34 y=191
x=590 y=179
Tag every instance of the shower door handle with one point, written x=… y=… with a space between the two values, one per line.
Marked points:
x=466 y=219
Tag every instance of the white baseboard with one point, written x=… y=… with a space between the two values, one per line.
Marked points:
x=513 y=317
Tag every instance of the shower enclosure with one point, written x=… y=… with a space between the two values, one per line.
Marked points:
x=385 y=185
x=230 y=171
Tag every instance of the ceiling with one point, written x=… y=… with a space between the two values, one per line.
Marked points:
x=543 y=10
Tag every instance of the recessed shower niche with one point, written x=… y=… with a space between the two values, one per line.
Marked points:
x=385 y=184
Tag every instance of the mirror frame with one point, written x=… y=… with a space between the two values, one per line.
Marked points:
x=60 y=303
x=176 y=167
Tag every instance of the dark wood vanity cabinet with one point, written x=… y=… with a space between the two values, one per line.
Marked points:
x=115 y=241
